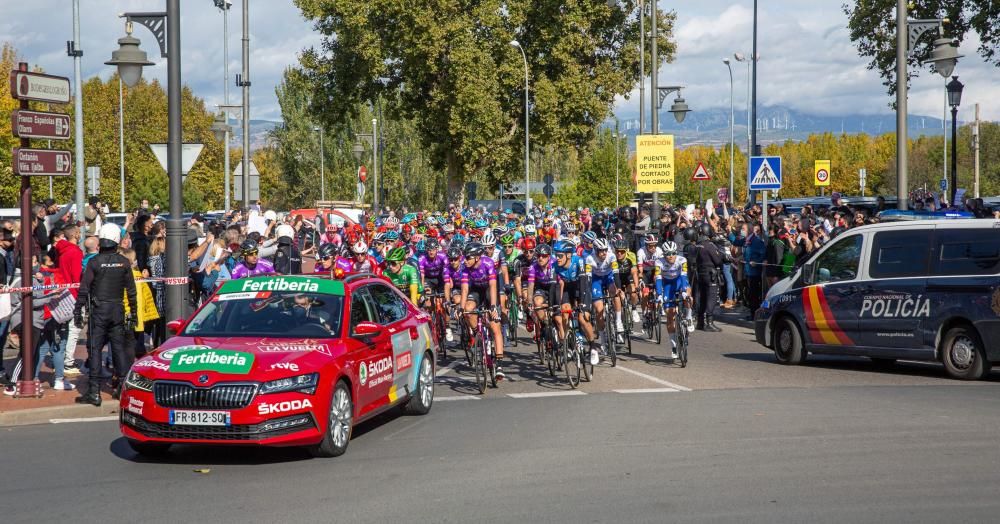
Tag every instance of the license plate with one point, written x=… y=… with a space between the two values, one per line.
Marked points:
x=199 y=418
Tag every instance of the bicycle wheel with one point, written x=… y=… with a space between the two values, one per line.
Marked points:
x=466 y=341
x=682 y=342
x=489 y=356
x=572 y=357
x=550 y=345
x=584 y=356
x=480 y=367
x=647 y=321
x=657 y=327
x=627 y=323
x=611 y=337
x=512 y=316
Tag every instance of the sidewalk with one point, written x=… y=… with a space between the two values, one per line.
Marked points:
x=54 y=405
x=736 y=316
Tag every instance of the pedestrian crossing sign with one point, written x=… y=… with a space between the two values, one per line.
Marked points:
x=765 y=173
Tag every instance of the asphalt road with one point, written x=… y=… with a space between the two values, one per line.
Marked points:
x=732 y=438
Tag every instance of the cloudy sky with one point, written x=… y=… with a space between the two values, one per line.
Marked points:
x=806 y=62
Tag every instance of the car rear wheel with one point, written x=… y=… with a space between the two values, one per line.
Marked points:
x=788 y=343
x=422 y=399
x=963 y=354
x=339 y=425
x=149 y=449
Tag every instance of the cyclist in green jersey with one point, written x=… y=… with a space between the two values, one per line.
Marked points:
x=402 y=275
x=508 y=268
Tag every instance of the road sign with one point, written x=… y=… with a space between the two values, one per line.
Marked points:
x=362 y=174
x=94 y=180
x=700 y=173
x=654 y=163
x=254 y=193
x=944 y=184
x=862 y=175
x=822 y=173
x=189 y=155
x=548 y=191
x=39 y=124
x=722 y=195
x=765 y=172
x=361 y=191
x=548 y=179
x=25 y=85
x=41 y=162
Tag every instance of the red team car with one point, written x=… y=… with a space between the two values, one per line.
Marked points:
x=282 y=361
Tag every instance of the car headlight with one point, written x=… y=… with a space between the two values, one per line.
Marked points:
x=302 y=383
x=136 y=381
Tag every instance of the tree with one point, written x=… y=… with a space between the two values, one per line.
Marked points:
x=449 y=68
x=872 y=24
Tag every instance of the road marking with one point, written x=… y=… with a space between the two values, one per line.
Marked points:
x=447 y=369
x=572 y=392
x=654 y=379
x=463 y=397
x=648 y=390
x=85 y=419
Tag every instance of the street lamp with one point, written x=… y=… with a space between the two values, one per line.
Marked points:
x=732 y=128
x=322 y=170
x=617 y=198
x=679 y=108
x=527 y=136
x=130 y=60
x=954 y=100
x=221 y=129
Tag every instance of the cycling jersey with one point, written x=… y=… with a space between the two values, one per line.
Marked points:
x=481 y=275
x=433 y=267
x=601 y=268
x=572 y=272
x=646 y=259
x=673 y=271
x=627 y=262
x=262 y=267
x=540 y=275
x=407 y=280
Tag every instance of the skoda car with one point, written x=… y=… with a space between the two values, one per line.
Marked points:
x=282 y=361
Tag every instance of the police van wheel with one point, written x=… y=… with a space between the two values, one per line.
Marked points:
x=963 y=355
x=788 y=343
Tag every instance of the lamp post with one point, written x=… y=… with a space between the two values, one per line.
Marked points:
x=944 y=56
x=121 y=146
x=322 y=169
x=617 y=201
x=954 y=100
x=130 y=60
x=224 y=6
x=732 y=129
x=527 y=134
x=221 y=129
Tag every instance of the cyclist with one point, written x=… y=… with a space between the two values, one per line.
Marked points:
x=489 y=242
x=604 y=273
x=431 y=265
x=361 y=261
x=520 y=267
x=377 y=251
x=250 y=264
x=403 y=275
x=543 y=286
x=569 y=268
x=479 y=287
x=672 y=283
x=326 y=258
x=629 y=275
x=451 y=274
x=509 y=268
x=586 y=248
x=650 y=260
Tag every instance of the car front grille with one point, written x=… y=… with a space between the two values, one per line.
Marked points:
x=186 y=396
x=234 y=432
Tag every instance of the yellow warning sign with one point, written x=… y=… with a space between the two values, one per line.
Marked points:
x=822 y=172
x=654 y=163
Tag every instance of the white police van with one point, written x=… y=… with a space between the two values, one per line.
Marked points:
x=919 y=290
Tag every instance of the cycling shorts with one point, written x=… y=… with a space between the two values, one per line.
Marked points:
x=600 y=284
x=434 y=284
x=674 y=287
x=648 y=276
x=479 y=295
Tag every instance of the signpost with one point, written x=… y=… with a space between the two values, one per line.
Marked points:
x=362 y=174
x=654 y=164
x=94 y=176
x=764 y=175
x=548 y=190
x=26 y=86
x=254 y=185
x=862 y=175
x=821 y=178
x=189 y=155
x=701 y=175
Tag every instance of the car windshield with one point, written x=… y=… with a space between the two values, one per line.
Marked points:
x=269 y=314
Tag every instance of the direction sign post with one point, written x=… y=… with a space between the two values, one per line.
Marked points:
x=40 y=124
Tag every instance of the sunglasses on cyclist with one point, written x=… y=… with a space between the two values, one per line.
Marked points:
x=326 y=258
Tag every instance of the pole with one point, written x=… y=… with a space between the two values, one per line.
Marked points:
x=78 y=121
x=902 y=184
x=753 y=96
x=975 y=147
x=617 y=187
x=375 y=199
x=27 y=384
x=642 y=66
x=527 y=137
x=176 y=237
x=225 y=98
x=732 y=133
x=121 y=146
x=245 y=84
x=322 y=168
x=654 y=94
x=944 y=132
x=701 y=193
x=954 y=157
x=50 y=178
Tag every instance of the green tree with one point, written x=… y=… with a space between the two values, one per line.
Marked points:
x=449 y=68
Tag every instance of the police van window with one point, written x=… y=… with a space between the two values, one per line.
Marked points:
x=840 y=261
x=968 y=252
x=900 y=253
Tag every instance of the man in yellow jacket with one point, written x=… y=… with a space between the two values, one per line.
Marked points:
x=146 y=308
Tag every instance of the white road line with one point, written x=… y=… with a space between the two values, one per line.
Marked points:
x=647 y=390
x=654 y=379
x=86 y=419
x=547 y=394
x=447 y=369
x=463 y=397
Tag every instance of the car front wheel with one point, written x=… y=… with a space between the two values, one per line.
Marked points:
x=339 y=425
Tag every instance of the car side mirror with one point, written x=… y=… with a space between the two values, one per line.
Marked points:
x=175 y=326
x=367 y=329
x=807 y=273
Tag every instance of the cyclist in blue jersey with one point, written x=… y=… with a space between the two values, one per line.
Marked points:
x=672 y=285
x=569 y=268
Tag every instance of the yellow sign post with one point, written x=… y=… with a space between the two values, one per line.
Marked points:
x=822 y=173
x=654 y=164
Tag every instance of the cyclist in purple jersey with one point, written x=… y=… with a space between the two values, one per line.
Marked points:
x=326 y=257
x=542 y=284
x=479 y=287
x=432 y=265
x=251 y=265
x=451 y=274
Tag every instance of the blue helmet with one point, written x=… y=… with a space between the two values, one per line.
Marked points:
x=391 y=236
x=563 y=246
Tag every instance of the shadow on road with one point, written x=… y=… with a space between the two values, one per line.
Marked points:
x=202 y=455
x=860 y=364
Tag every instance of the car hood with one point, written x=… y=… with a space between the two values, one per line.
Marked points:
x=242 y=357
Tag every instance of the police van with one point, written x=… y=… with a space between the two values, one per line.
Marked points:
x=916 y=290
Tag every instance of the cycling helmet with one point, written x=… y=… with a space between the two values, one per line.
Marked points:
x=669 y=248
x=327 y=251
x=507 y=240
x=601 y=244
x=454 y=253
x=359 y=247
x=407 y=218
x=529 y=229
x=407 y=229
x=391 y=236
x=590 y=237
x=379 y=237
x=448 y=228
x=391 y=222
x=488 y=239
x=248 y=248
x=458 y=239
x=480 y=223
x=575 y=241
x=651 y=239
x=569 y=228
x=621 y=244
x=474 y=249
x=543 y=250
x=421 y=246
x=396 y=255
x=528 y=244
x=564 y=246
x=499 y=231
x=432 y=243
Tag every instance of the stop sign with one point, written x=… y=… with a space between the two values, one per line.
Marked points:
x=362 y=173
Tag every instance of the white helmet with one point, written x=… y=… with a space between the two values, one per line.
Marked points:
x=270 y=215
x=488 y=239
x=285 y=230
x=669 y=248
x=110 y=232
x=601 y=244
x=359 y=247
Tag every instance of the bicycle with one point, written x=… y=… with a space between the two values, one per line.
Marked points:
x=573 y=351
x=627 y=320
x=464 y=337
x=548 y=341
x=611 y=332
x=681 y=325
x=482 y=351
x=439 y=322
x=511 y=319
x=651 y=318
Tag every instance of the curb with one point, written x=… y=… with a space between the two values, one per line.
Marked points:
x=26 y=417
x=735 y=318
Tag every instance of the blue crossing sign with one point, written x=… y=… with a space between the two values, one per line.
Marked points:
x=944 y=184
x=765 y=173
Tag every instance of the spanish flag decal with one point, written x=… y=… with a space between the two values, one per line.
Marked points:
x=820 y=322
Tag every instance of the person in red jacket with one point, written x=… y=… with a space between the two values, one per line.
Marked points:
x=70 y=260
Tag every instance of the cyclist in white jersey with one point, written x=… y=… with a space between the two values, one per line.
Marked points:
x=603 y=267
